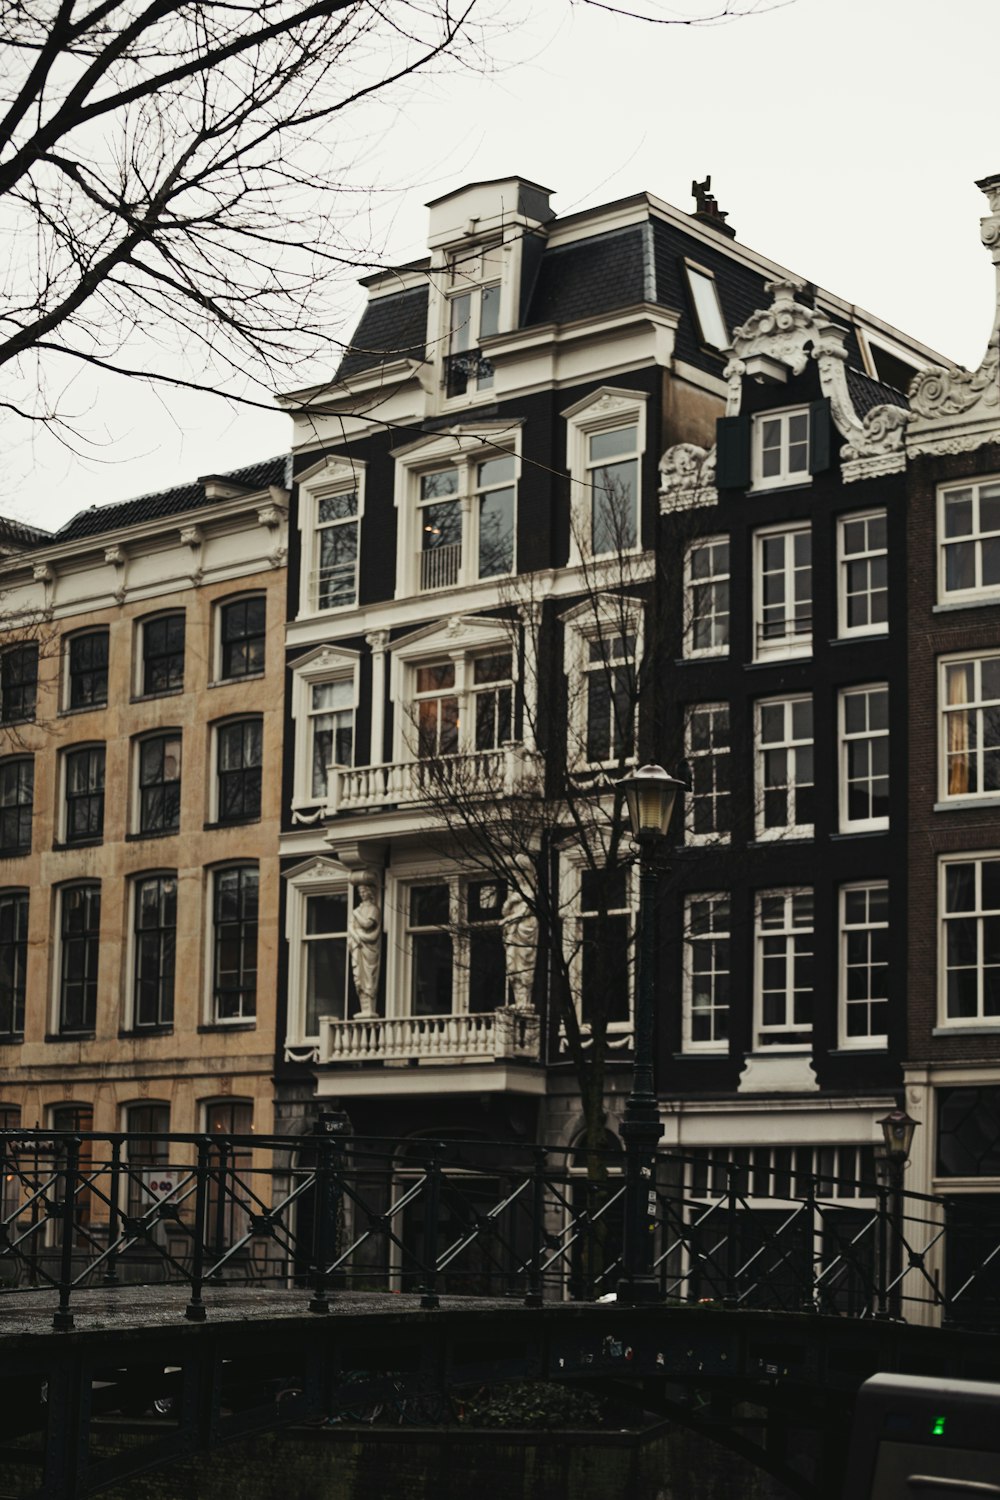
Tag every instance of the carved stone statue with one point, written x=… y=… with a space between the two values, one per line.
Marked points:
x=520 y=935
x=364 y=939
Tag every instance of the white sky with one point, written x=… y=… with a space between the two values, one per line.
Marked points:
x=843 y=137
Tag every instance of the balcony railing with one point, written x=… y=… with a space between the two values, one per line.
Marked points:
x=480 y=773
x=440 y=567
x=489 y=1035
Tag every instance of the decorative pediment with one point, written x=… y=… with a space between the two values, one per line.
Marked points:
x=316 y=871
x=456 y=632
x=456 y=438
x=602 y=610
x=607 y=401
x=956 y=411
x=325 y=660
x=687 y=477
x=334 y=469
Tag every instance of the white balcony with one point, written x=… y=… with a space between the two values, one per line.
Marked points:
x=483 y=773
x=440 y=567
x=485 y=1036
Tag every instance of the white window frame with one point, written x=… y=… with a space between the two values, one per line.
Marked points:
x=316 y=877
x=218 y=605
x=868 y=342
x=713 y=580
x=872 y=1041
x=139 y=656
x=324 y=481
x=465 y=274
x=692 y=755
x=846 y=823
x=463 y=448
x=978 y=593
x=135 y=879
x=788 y=931
x=323 y=665
x=795 y=829
x=978 y=1022
x=793 y=643
x=461 y=641
x=399 y=968
x=785 y=477
x=844 y=560
x=978 y=705
x=572 y=865
x=604 y=410
x=208 y=902
x=135 y=751
x=608 y=615
x=718 y=1046
x=707 y=310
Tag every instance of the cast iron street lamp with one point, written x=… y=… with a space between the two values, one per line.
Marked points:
x=650 y=795
x=897 y=1135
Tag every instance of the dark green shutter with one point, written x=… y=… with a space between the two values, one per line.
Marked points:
x=732 y=457
x=819 y=436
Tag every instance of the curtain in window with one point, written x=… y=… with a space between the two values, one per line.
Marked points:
x=959 y=692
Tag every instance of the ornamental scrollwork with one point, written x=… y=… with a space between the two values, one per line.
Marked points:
x=687 y=477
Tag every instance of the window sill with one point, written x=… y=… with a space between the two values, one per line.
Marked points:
x=79 y=843
x=960 y=804
x=769 y=486
x=159 y=833
x=984 y=1028
x=779 y=658
x=862 y=637
x=231 y=823
x=231 y=681
x=12 y=1039
x=70 y=1036
x=153 y=697
x=767 y=841
x=82 y=708
x=134 y=1033
x=862 y=833
x=700 y=656
x=707 y=1054
x=978 y=601
x=862 y=828
x=870 y=1048
x=14 y=853
x=227 y=1026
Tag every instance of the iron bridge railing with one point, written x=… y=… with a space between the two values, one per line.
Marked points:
x=330 y=1214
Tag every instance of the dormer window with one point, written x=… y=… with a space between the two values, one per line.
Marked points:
x=781 y=448
x=473 y=314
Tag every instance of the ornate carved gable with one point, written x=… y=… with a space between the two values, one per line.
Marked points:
x=956 y=411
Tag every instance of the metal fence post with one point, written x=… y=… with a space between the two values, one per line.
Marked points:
x=195 y=1310
x=110 y=1277
x=730 y=1297
x=62 y=1318
x=319 y=1302
x=533 y=1295
x=432 y=1180
x=882 y=1281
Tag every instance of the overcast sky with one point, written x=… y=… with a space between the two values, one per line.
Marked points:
x=843 y=138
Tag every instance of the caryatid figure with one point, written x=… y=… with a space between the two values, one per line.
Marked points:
x=520 y=934
x=364 y=940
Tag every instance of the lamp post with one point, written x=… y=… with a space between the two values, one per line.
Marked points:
x=649 y=794
x=897 y=1136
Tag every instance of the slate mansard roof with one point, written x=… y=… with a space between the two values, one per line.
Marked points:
x=172 y=502
x=596 y=276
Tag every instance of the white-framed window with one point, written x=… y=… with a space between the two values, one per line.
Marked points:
x=598 y=938
x=707 y=307
x=780 y=448
x=324 y=702
x=457 y=499
x=864 y=758
x=864 y=964
x=159 y=658
x=783 y=592
x=784 y=968
x=320 y=982
x=969 y=540
x=331 y=504
x=235 y=901
x=475 y=278
x=605 y=443
x=452 y=957
x=969 y=946
x=706 y=597
x=708 y=751
x=602 y=659
x=784 y=770
x=707 y=971
x=863 y=574
x=969 y=690
x=153 y=950
x=462 y=704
